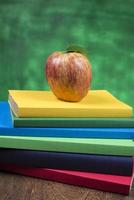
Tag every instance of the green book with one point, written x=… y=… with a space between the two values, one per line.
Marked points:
x=91 y=146
x=74 y=122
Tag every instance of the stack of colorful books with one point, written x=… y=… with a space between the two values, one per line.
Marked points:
x=88 y=143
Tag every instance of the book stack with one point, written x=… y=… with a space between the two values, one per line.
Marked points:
x=87 y=143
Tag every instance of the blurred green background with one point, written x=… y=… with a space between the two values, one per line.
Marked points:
x=30 y=30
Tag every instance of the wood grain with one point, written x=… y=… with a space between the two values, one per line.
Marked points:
x=17 y=187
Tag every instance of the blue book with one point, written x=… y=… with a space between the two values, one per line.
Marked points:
x=7 y=129
x=106 y=164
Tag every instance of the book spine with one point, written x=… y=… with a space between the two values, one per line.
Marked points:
x=63 y=146
x=70 y=112
x=72 y=123
x=113 y=133
x=119 y=165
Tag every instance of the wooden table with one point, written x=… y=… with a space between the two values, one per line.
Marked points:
x=17 y=187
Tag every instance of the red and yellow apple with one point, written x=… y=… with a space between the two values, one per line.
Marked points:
x=69 y=75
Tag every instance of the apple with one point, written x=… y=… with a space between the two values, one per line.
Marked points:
x=69 y=75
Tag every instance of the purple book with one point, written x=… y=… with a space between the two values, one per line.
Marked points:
x=118 y=165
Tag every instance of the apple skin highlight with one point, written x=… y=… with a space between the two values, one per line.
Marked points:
x=69 y=75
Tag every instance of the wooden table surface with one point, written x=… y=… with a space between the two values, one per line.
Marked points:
x=17 y=187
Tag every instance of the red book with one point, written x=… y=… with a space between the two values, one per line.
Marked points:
x=105 y=182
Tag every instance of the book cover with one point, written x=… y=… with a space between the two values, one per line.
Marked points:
x=121 y=147
x=6 y=128
x=97 y=103
x=119 y=165
x=104 y=182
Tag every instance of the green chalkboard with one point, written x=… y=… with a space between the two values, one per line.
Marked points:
x=30 y=30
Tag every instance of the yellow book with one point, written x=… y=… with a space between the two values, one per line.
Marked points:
x=97 y=103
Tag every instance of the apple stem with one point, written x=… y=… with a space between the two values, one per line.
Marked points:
x=76 y=49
